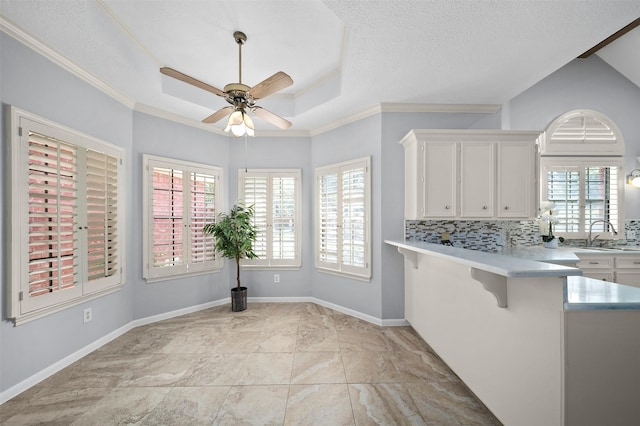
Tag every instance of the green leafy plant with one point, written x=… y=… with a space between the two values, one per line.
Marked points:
x=234 y=233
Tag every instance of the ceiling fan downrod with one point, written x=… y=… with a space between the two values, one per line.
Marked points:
x=240 y=38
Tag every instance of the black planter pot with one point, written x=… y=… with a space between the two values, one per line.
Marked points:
x=238 y=299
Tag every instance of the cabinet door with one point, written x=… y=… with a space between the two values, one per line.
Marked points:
x=631 y=278
x=477 y=179
x=516 y=180
x=439 y=180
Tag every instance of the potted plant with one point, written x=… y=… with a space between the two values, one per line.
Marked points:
x=235 y=233
x=547 y=219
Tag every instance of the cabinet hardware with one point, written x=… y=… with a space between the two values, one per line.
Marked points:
x=594 y=263
x=447 y=207
x=484 y=207
x=506 y=207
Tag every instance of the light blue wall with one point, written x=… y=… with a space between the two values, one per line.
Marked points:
x=586 y=83
x=165 y=138
x=355 y=140
x=276 y=153
x=31 y=82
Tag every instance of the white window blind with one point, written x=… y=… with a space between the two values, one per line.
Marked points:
x=584 y=191
x=67 y=244
x=180 y=199
x=343 y=244
x=275 y=196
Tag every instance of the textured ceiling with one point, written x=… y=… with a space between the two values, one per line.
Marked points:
x=345 y=57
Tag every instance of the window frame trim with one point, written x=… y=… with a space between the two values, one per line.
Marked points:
x=340 y=269
x=271 y=264
x=147 y=201
x=18 y=232
x=581 y=163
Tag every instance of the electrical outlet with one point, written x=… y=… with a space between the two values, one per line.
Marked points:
x=276 y=278
x=87 y=315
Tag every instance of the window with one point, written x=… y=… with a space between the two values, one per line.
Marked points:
x=584 y=191
x=179 y=199
x=582 y=174
x=342 y=219
x=275 y=195
x=67 y=233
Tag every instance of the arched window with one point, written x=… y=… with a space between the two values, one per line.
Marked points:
x=582 y=159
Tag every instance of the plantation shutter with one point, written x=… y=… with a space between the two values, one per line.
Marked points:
x=328 y=218
x=584 y=191
x=101 y=212
x=283 y=228
x=53 y=265
x=601 y=198
x=167 y=217
x=275 y=197
x=203 y=211
x=180 y=199
x=342 y=220
x=256 y=195
x=353 y=218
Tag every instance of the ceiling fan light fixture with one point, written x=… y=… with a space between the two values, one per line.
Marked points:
x=240 y=123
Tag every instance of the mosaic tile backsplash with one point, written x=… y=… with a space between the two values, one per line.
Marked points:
x=496 y=235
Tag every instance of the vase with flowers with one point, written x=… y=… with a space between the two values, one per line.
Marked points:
x=546 y=220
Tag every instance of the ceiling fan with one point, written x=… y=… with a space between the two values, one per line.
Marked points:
x=240 y=96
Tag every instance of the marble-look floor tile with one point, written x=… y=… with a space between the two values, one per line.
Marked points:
x=363 y=340
x=253 y=405
x=405 y=339
x=384 y=404
x=188 y=406
x=393 y=367
x=123 y=406
x=266 y=369
x=213 y=370
x=277 y=341
x=317 y=341
x=316 y=322
x=449 y=402
x=317 y=367
x=319 y=404
x=275 y=363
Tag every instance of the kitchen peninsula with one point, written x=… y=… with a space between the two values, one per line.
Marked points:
x=538 y=343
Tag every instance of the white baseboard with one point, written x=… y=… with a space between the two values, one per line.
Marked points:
x=70 y=359
x=63 y=363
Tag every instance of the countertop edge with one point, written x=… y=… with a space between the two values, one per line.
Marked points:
x=504 y=265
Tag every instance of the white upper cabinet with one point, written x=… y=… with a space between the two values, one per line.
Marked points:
x=470 y=174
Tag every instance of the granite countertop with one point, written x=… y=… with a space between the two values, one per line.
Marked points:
x=497 y=263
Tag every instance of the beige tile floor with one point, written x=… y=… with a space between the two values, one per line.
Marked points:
x=275 y=363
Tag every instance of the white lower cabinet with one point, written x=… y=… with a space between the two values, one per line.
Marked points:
x=470 y=174
x=618 y=268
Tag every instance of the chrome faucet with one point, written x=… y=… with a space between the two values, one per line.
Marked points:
x=591 y=240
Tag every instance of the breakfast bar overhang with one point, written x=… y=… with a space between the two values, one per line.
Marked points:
x=525 y=336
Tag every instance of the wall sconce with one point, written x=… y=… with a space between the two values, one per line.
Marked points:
x=633 y=178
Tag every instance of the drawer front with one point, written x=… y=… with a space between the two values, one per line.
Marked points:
x=628 y=262
x=595 y=262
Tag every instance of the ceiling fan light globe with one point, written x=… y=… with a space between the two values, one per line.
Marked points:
x=248 y=122
x=251 y=132
x=238 y=130
x=236 y=118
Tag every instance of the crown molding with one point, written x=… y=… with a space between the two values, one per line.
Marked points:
x=57 y=58
x=442 y=108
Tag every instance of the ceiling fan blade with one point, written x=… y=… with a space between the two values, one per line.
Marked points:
x=190 y=80
x=276 y=82
x=272 y=118
x=218 y=115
